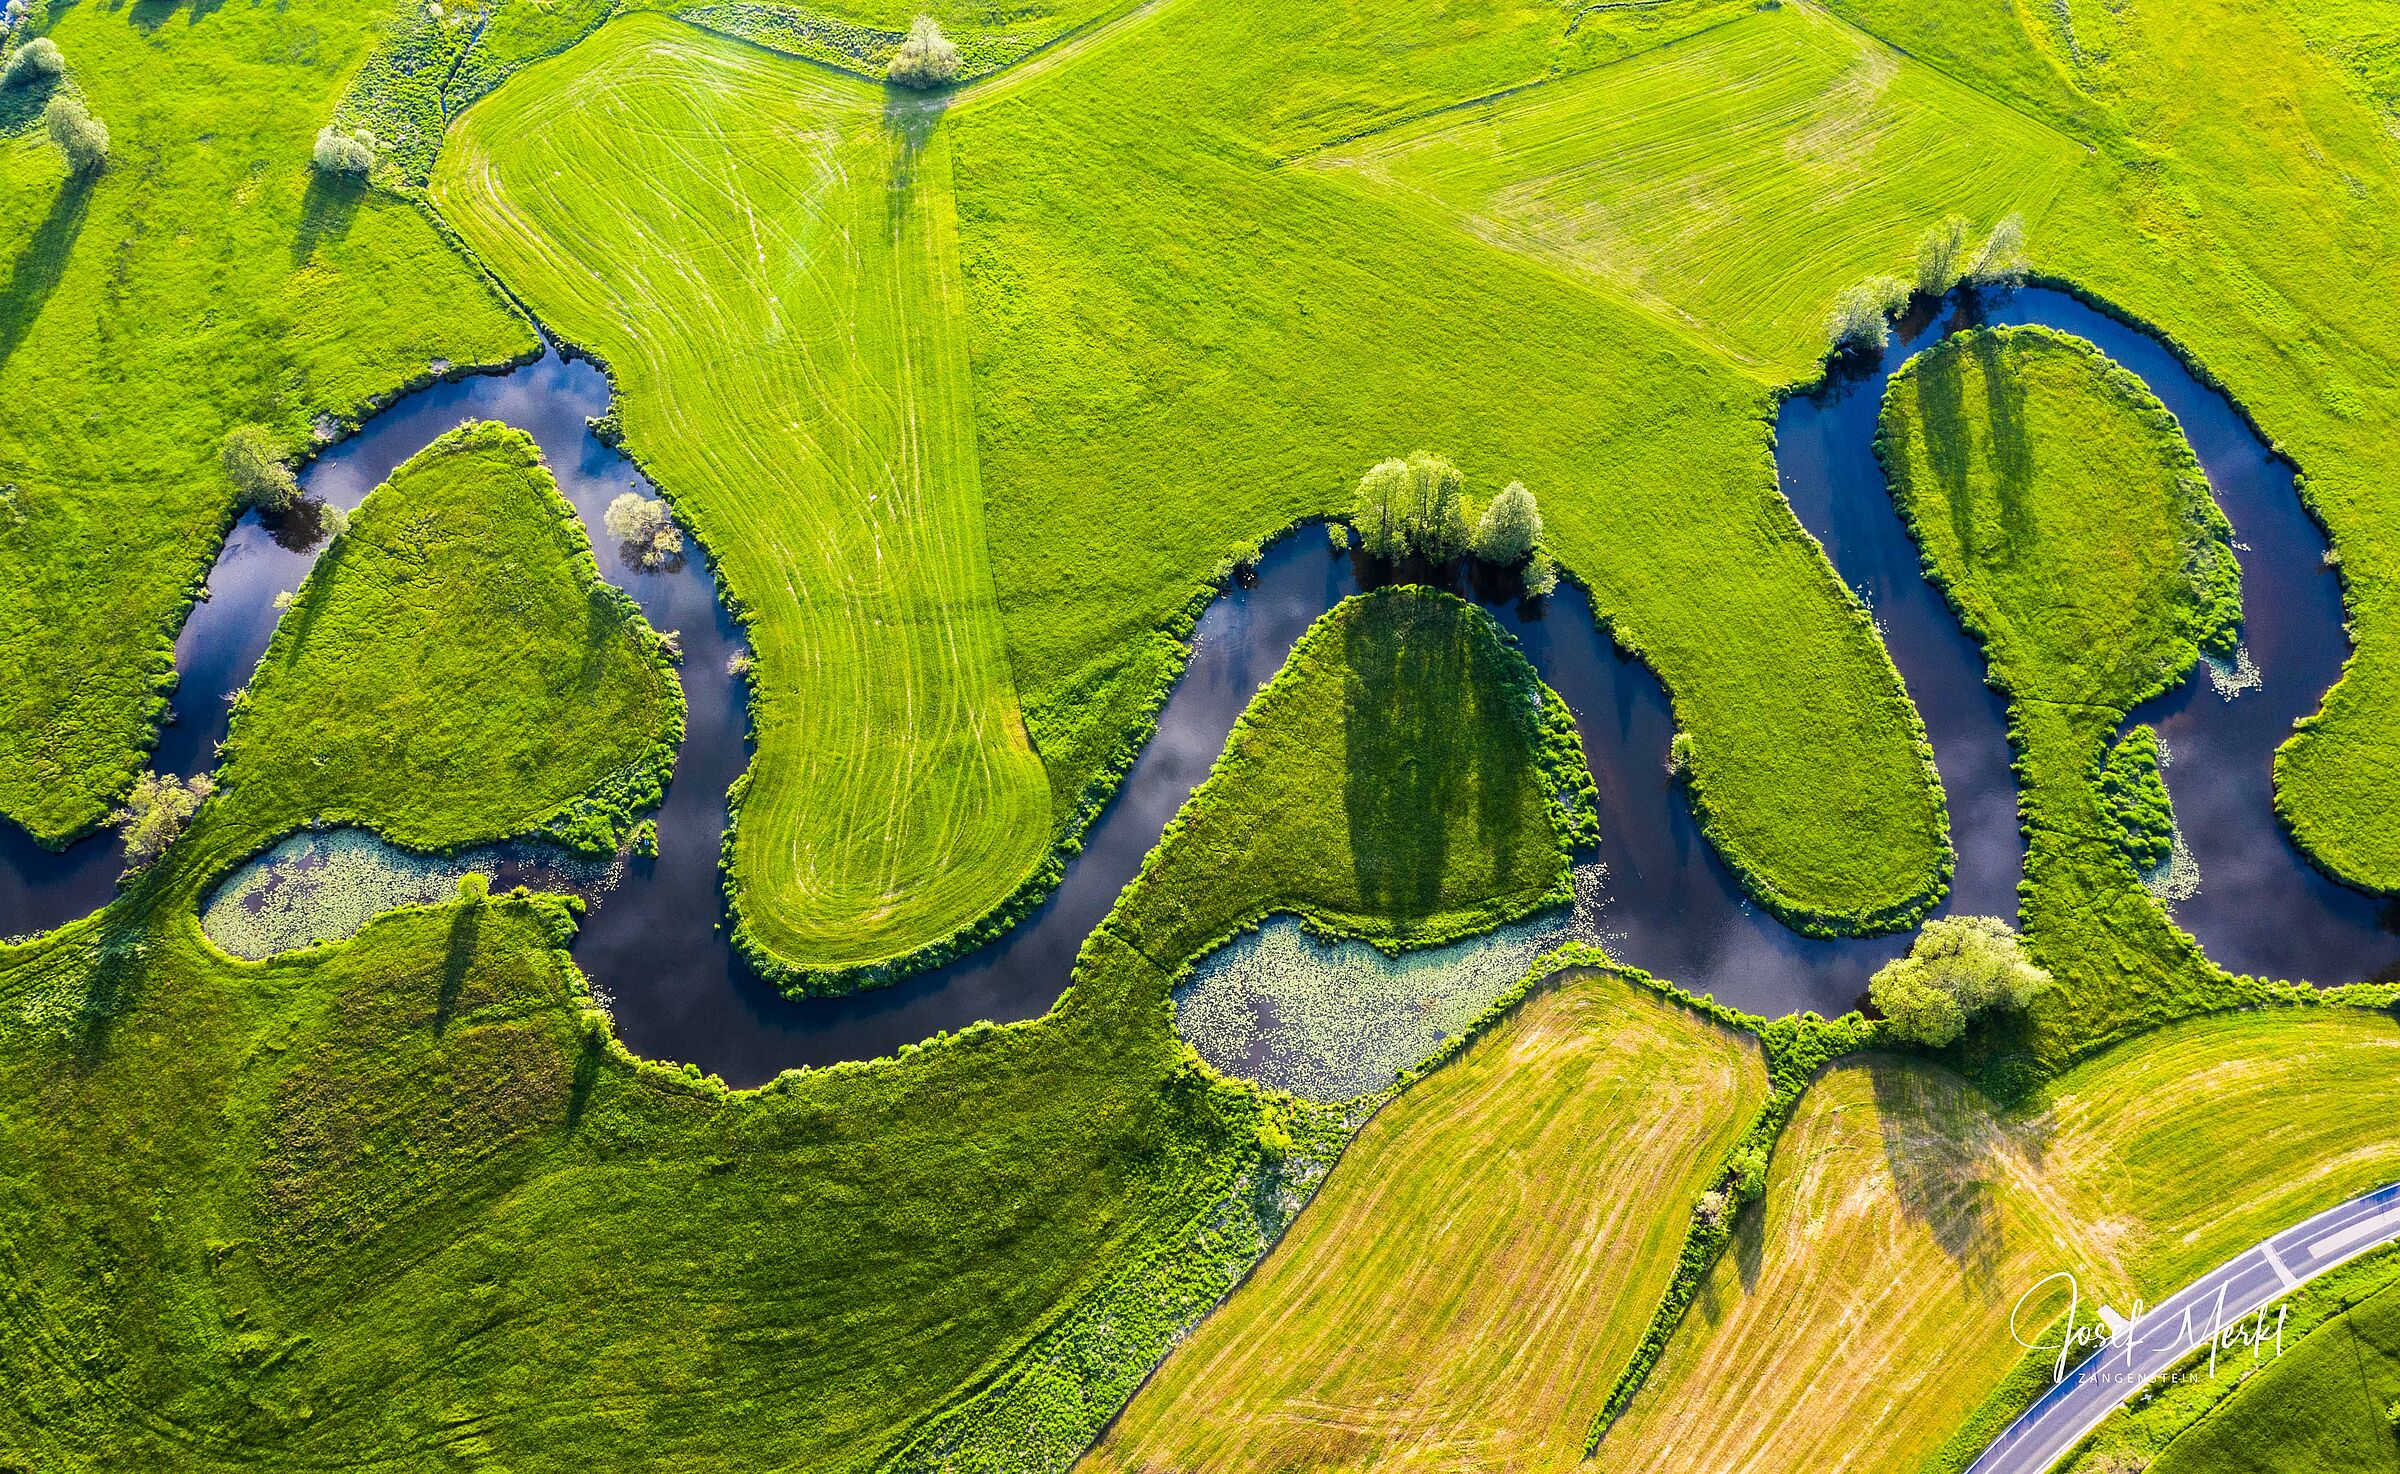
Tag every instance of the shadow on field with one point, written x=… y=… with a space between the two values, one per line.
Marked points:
x=41 y=264
x=465 y=926
x=1410 y=755
x=1945 y=1142
x=326 y=212
x=148 y=15
x=909 y=118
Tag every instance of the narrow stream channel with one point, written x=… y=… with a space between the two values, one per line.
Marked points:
x=655 y=941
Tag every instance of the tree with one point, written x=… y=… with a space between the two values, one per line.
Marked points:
x=1380 y=510
x=1541 y=576
x=1510 y=528
x=1747 y=1169
x=257 y=472
x=2001 y=261
x=35 y=62
x=351 y=154
x=644 y=529
x=155 y=813
x=77 y=134
x=926 y=59
x=1437 y=508
x=1958 y=967
x=1861 y=317
x=1939 y=256
x=1713 y=1208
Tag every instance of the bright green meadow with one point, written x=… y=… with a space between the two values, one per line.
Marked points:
x=975 y=398
x=765 y=257
x=401 y=1198
x=205 y=279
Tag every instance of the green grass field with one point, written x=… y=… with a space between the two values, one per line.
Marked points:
x=2323 y=1408
x=2223 y=132
x=764 y=256
x=454 y=670
x=202 y=281
x=2059 y=508
x=1180 y=345
x=424 y=1211
x=1454 y=1297
x=1866 y=1307
x=1733 y=182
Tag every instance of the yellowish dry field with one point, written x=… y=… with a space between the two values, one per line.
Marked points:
x=1479 y=1266
x=1860 y=1322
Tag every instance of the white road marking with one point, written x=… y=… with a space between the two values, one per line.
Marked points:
x=2275 y=1262
x=2356 y=1234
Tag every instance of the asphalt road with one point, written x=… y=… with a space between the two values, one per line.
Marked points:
x=2222 y=1300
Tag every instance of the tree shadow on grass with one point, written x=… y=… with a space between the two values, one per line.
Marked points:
x=909 y=118
x=587 y=1074
x=2011 y=437
x=1946 y=1145
x=119 y=966
x=41 y=264
x=149 y=15
x=326 y=212
x=1949 y=443
x=465 y=926
x=1408 y=746
x=21 y=106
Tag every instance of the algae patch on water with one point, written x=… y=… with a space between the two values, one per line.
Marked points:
x=1332 y=1021
x=323 y=886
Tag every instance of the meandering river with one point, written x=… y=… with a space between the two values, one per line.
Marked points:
x=654 y=941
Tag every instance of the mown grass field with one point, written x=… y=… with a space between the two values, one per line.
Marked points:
x=204 y=280
x=765 y=257
x=401 y=1198
x=2059 y=508
x=455 y=669
x=1187 y=344
x=1864 y=1312
x=1733 y=181
x=1456 y=1296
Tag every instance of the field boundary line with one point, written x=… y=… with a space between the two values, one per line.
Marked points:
x=1505 y=93
x=2047 y=125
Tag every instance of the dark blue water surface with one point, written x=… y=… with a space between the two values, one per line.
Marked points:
x=657 y=946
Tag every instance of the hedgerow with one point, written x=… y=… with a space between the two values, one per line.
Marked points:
x=1797 y=1048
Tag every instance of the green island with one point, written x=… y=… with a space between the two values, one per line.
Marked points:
x=1024 y=379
